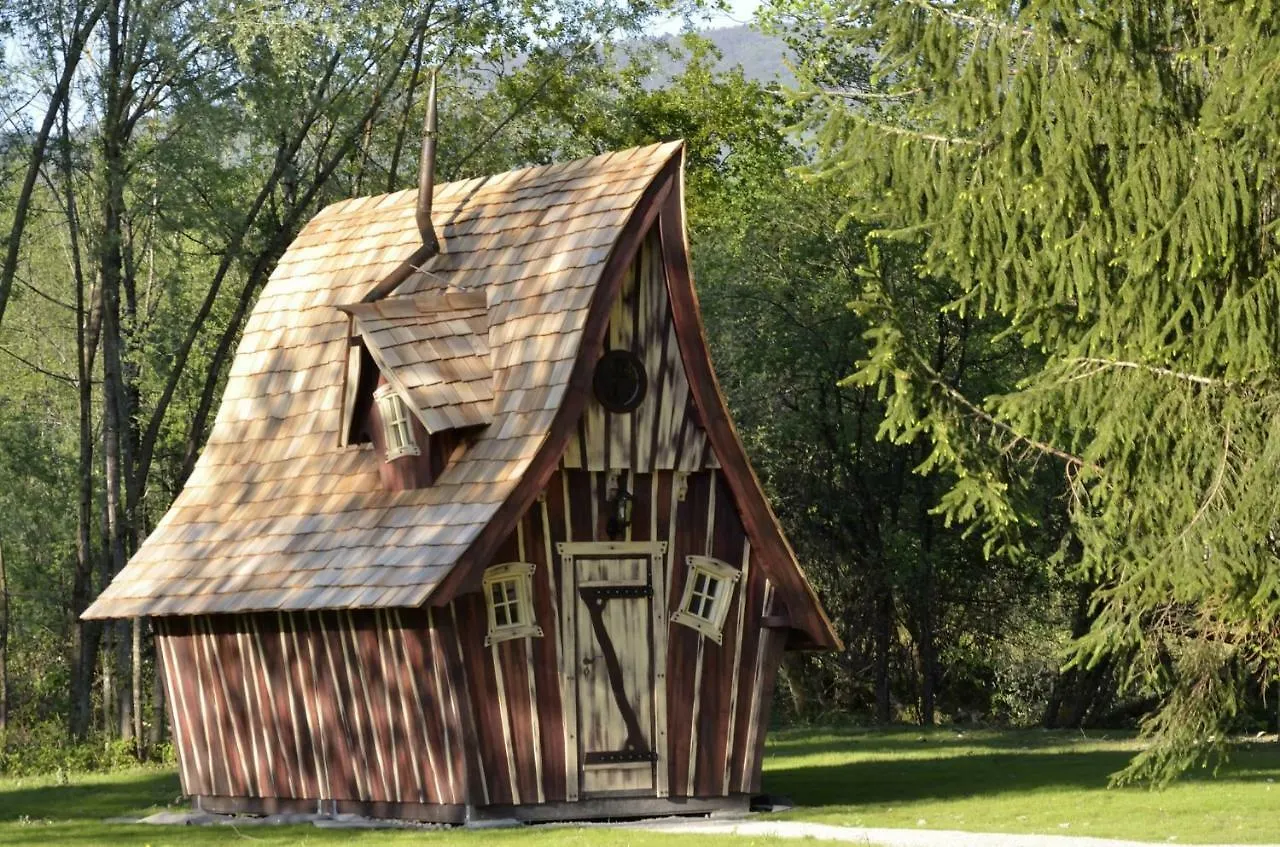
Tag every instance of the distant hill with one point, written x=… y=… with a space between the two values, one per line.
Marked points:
x=761 y=57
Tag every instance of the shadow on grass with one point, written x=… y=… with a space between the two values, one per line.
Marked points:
x=914 y=740
x=856 y=767
x=908 y=780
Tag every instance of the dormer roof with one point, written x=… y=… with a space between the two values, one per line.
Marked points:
x=434 y=351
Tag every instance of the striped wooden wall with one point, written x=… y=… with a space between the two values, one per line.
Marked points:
x=410 y=706
x=362 y=706
x=663 y=433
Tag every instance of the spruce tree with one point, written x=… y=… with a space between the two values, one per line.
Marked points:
x=1100 y=174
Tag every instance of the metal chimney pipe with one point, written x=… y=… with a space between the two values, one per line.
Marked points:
x=427 y=173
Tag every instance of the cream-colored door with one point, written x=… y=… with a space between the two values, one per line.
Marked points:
x=615 y=674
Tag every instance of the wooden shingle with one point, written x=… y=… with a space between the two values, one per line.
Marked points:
x=277 y=515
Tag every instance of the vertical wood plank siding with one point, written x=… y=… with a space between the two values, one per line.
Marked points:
x=663 y=433
x=726 y=745
x=410 y=706
x=326 y=699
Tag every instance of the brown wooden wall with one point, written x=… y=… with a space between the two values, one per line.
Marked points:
x=364 y=706
x=412 y=471
x=717 y=695
x=662 y=434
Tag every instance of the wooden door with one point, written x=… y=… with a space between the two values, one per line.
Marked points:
x=616 y=673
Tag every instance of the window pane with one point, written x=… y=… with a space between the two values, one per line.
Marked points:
x=713 y=585
x=496 y=593
x=499 y=615
x=699 y=582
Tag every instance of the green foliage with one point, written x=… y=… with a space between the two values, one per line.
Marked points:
x=200 y=137
x=45 y=749
x=1099 y=178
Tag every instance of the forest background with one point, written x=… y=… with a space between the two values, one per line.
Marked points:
x=157 y=156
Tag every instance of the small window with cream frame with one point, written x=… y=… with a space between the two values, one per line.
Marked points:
x=708 y=589
x=508 y=595
x=397 y=428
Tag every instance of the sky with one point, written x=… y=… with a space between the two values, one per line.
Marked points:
x=738 y=13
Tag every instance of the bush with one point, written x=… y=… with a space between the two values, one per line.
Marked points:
x=44 y=748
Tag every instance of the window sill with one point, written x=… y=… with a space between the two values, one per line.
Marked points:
x=510 y=633
x=702 y=625
x=392 y=455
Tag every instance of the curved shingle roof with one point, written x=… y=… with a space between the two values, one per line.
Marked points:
x=277 y=515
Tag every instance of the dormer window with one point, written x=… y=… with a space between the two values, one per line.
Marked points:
x=396 y=426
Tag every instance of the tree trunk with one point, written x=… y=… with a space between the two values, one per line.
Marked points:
x=135 y=707
x=883 y=640
x=115 y=407
x=84 y=634
x=4 y=643
x=108 y=725
x=793 y=678
x=924 y=612
x=1076 y=690
x=928 y=661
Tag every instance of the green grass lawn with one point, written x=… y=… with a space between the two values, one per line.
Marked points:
x=39 y=812
x=1030 y=781
x=995 y=781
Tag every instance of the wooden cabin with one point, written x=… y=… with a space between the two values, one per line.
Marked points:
x=473 y=534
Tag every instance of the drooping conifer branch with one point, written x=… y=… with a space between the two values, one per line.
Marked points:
x=1109 y=364
x=957 y=397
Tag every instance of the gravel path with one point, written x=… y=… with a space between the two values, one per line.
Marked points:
x=889 y=837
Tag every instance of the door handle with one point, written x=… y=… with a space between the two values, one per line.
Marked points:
x=587 y=662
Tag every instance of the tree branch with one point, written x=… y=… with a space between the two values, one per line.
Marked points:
x=33 y=366
x=955 y=396
x=36 y=157
x=1105 y=364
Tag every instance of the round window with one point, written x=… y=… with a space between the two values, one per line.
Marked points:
x=620 y=382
